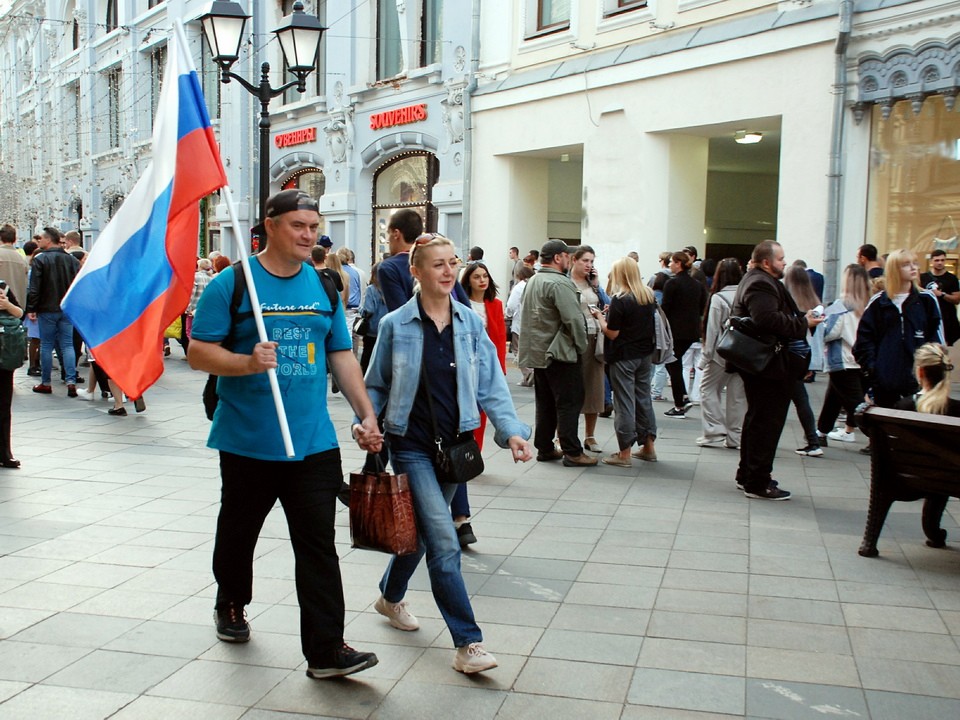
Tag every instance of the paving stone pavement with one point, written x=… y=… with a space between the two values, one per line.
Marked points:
x=657 y=592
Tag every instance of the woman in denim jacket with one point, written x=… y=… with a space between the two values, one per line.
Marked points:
x=844 y=385
x=447 y=339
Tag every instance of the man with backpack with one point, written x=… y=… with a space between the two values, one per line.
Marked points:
x=306 y=328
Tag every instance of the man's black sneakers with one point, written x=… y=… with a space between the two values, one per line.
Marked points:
x=346 y=662
x=771 y=492
x=231 y=623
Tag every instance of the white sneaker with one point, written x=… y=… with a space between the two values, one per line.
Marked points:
x=397 y=614
x=85 y=395
x=842 y=435
x=710 y=442
x=473 y=658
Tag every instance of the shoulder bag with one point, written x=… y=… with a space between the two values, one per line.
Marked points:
x=13 y=342
x=361 y=324
x=458 y=461
x=742 y=346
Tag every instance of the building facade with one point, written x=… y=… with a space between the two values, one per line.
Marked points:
x=78 y=95
x=379 y=127
x=619 y=123
x=616 y=123
x=388 y=132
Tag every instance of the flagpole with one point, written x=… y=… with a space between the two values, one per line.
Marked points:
x=258 y=318
x=251 y=288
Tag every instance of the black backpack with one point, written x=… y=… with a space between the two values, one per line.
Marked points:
x=332 y=284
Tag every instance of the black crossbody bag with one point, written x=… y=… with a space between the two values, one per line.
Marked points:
x=459 y=461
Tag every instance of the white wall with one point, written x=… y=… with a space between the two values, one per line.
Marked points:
x=645 y=186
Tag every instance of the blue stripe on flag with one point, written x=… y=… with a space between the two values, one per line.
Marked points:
x=193 y=110
x=138 y=274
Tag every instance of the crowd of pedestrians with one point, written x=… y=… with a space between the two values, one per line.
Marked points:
x=420 y=348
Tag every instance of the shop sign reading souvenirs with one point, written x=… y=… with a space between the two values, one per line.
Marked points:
x=400 y=116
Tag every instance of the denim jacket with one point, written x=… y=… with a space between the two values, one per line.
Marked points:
x=394 y=373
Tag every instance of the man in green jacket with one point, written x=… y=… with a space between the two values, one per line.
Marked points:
x=553 y=339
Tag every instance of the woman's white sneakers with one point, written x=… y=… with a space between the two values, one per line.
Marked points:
x=473 y=658
x=841 y=435
x=397 y=614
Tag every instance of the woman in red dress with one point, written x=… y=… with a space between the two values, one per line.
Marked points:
x=482 y=291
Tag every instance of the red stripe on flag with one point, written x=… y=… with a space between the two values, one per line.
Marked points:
x=198 y=173
x=133 y=357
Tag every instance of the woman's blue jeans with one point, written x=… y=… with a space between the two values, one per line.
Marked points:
x=438 y=540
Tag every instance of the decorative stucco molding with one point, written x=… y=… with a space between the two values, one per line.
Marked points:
x=339 y=133
x=390 y=145
x=293 y=161
x=913 y=74
x=453 y=119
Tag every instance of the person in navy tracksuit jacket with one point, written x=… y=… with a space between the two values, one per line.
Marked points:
x=897 y=321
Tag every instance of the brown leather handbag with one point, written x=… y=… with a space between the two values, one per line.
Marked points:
x=381 y=510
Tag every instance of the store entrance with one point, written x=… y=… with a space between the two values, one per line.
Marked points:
x=743 y=184
x=404 y=182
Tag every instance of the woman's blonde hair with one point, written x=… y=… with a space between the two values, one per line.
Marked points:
x=333 y=262
x=892 y=281
x=855 y=288
x=933 y=362
x=427 y=240
x=625 y=280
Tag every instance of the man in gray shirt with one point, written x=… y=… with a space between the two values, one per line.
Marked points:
x=553 y=339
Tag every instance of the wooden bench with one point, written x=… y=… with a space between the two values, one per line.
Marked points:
x=915 y=456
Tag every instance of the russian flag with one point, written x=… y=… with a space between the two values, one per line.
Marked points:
x=139 y=276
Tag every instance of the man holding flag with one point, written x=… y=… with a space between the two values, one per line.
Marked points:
x=122 y=316
x=304 y=333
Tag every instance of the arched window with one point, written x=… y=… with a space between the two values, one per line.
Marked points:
x=405 y=182
x=311 y=180
x=110 y=18
x=73 y=25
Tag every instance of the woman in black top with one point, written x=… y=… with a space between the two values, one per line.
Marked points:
x=683 y=301
x=8 y=306
x=896 y=322
x=629 y=326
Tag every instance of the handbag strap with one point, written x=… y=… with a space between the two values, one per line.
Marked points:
x=373 y=465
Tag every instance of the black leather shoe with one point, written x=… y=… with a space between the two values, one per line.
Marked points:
x=10 y=463
x=465 y=535
x=549 y=456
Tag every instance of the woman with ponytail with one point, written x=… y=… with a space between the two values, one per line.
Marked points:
x=932 y=366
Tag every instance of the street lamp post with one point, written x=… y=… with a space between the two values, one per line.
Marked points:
x=299 y=35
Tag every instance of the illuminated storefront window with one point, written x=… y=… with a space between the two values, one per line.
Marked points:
x=914 y=198
x=405 y=182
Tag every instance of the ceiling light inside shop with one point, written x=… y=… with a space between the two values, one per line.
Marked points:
x=747 y=137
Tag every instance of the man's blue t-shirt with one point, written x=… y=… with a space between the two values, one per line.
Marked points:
x=297 y=315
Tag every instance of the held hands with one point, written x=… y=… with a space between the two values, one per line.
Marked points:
x=520 y=449
x=263 y=357
x=368 y=435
